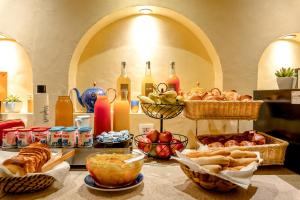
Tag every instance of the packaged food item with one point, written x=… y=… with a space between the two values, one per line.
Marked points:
x=40 y=134
x=55 y=136
x=85 y=137
x=24 y=137
x=69 y=137
x=9 y=138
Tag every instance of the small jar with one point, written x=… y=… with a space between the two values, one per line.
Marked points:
x=40 y=134
x=24 y=137
x=9 y=138
x=85 y=137
x=55 y=136
x=69 y=137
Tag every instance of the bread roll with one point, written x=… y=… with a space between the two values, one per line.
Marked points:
x=241 y=161
x=212 y=160
x=242 y=154
x=197 y=154
x=215 y=144
x=213 y=168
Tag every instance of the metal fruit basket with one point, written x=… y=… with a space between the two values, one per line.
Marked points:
x=181 y=139
x=162 y=111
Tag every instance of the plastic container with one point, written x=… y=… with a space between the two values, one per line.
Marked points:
x=69 y=137
x=40 y=134
x=24 y=137
x=85 y=137
x=9 y=138
x=55 y=136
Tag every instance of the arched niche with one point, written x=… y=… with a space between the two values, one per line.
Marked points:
x=282 y=52
x=16 y=63
x=161 y=37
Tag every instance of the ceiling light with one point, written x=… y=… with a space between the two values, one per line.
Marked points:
x=289 y=36
x=145 y=11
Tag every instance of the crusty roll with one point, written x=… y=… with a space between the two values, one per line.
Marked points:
x=241 y=161
x=212 y=160
x=213 y=168
x=242 y=154
x=196 y=154
x=29 y=160
x=215 y=144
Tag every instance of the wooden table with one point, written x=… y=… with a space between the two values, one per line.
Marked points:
x=165 y=180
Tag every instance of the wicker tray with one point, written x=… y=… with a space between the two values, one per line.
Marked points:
x=272 y=153
x=25 y=184
x=200 y=109
x=208 y=181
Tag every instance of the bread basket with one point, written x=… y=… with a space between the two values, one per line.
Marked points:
x=208 y=181
x=26 y=184
x=208 y=109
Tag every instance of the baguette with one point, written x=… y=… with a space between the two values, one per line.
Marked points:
x=196 y=154
x=213 y=168
x=241 y=161
x=212 y=160
x=242 y=154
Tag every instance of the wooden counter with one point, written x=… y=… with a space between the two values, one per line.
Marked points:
x=165 y=180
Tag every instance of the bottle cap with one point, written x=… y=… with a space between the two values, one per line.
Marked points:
x=41 y=88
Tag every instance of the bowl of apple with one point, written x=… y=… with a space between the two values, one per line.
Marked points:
x=160 y=145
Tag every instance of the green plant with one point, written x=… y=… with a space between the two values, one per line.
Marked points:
x=285 y=72
x=12 y=98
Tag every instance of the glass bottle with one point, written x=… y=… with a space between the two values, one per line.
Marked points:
x=29 y=104
x=123 y=82
x=173 y=81
x=121 y=120
x=148 y=82
x=102 y=119
x=64 y=111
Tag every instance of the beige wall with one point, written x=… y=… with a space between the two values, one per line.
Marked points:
x=15 y=61
x=138 y=39
x=280 y=53
x=239 y=30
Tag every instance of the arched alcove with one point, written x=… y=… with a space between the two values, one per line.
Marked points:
x=161 y=37
x=16 y=63
x=282 y=52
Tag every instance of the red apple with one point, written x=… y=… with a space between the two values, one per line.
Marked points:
x=163 y=151
x=152 y=153
x=165 y=137
x=152 y=135
x=144 y=144
x=176 y=145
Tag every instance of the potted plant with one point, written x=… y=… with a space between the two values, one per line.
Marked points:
x=285 y=78
x=12 y=104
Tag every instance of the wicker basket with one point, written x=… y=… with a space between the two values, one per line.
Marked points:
x=200 y=109
x=208 y=181
x=272 y=153
x=25 y=184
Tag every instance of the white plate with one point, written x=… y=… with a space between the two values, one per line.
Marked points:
x=90 y=183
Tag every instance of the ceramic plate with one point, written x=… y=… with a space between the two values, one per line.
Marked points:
x=90 y=183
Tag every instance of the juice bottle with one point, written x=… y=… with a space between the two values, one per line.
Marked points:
x=121 y=109
x=173 y=81
x=64 y=111
x=102 y=120
x=148 y=82
x=123 y=82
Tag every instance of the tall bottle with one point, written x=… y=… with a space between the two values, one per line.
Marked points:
x=173 y=81
x=41 y=106
x=123 y=82
x=64 y=111
x=148 y=82
x=121 y=120
x=102 y=120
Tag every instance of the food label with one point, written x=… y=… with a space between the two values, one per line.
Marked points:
x=124 y=87
x=23 y=139
x=9 y=139
x=55 y=139
x=295 y=97
x=148 y=88
x=69 y=139
x=85 y=139
x=40 y=137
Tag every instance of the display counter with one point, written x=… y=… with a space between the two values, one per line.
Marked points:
x=165 y=180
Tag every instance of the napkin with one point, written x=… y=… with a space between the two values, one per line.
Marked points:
x=59 y=172
x=241 y=178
